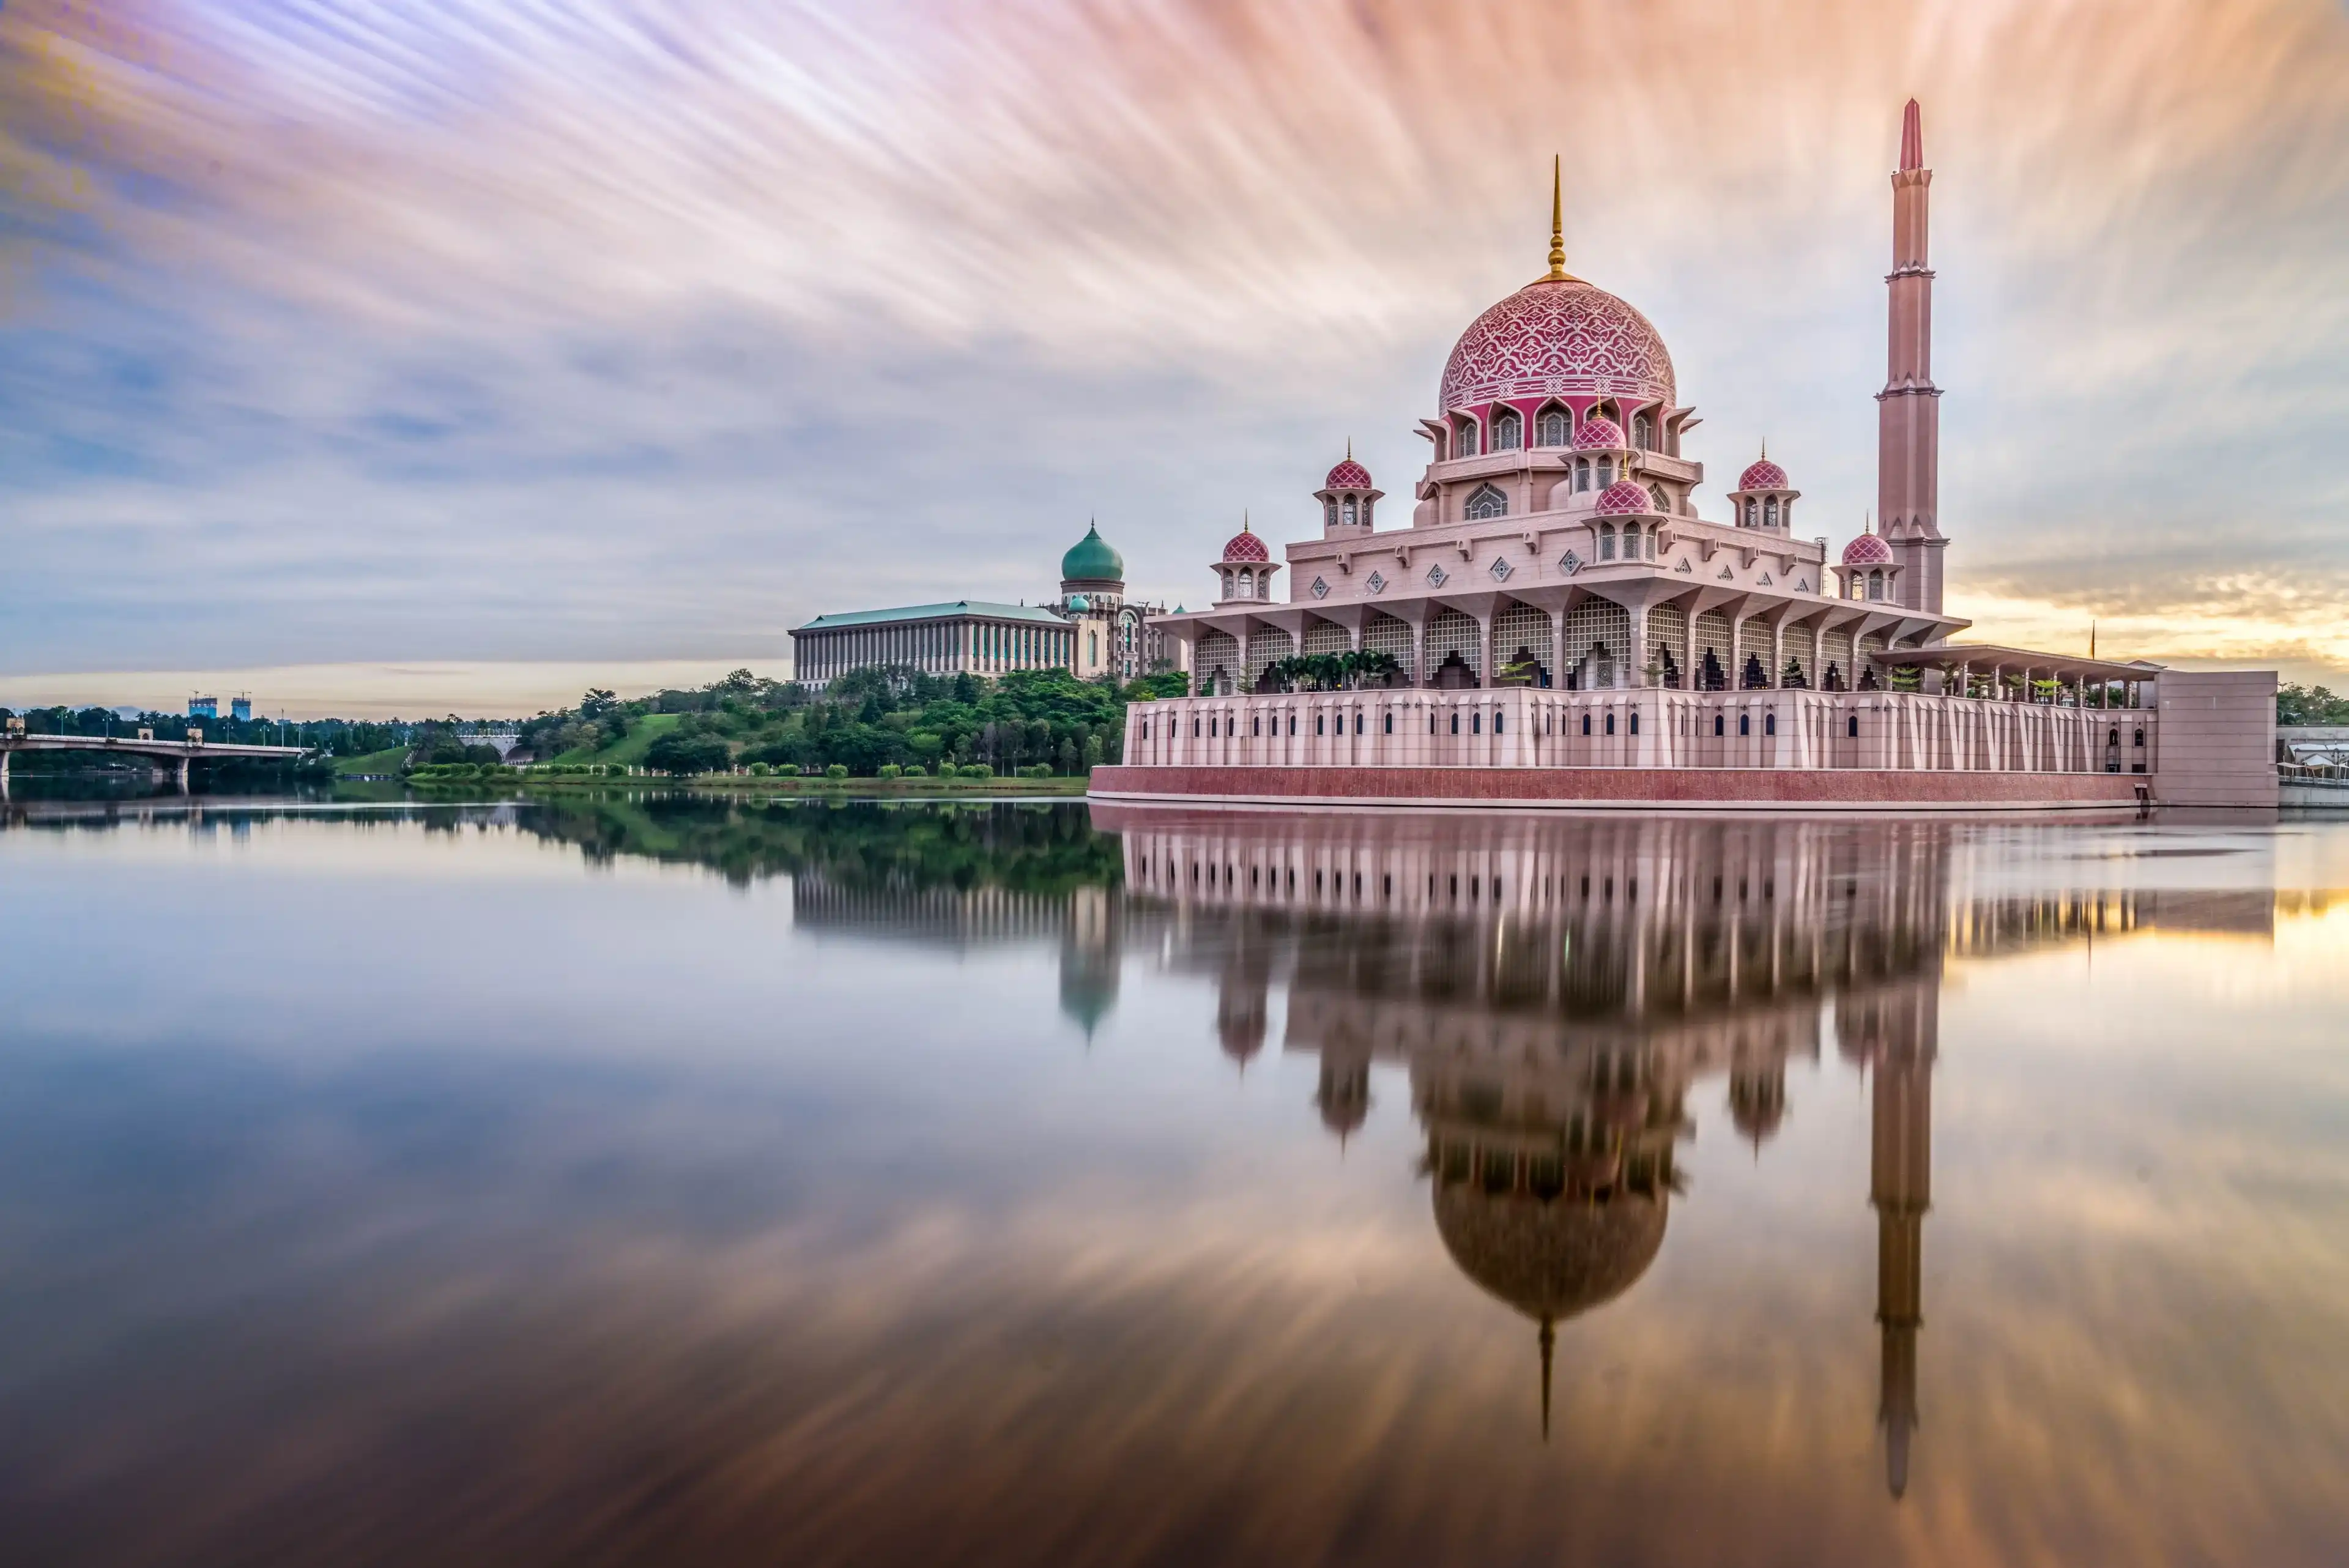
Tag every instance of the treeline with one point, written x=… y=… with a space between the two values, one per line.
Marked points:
x=867 y=721
x=2310 y=705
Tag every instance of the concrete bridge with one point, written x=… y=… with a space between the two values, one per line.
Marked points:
x=178 y=755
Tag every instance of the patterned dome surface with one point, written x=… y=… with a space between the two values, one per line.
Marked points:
x=1348 y=475
x=1246 y=546
x=1549 y=1260
x=1624 y=497
x=1557 y=335
x=1092 y=559
x=1763 y=475
x=1598 y=435
x=1868 y=550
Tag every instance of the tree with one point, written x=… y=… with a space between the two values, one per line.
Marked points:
x=598 y=704
x=682 y=754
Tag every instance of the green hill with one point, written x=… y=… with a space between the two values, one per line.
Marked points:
x=384 y=761
x=630 y=750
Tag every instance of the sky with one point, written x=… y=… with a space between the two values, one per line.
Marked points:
x=449 y=354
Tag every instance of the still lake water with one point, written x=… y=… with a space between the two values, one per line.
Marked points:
x=675 y=1181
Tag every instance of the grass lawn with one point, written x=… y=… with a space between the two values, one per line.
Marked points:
x=631 y=749
x=383 y=762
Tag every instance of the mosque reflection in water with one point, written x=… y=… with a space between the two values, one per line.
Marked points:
x=1555 y=991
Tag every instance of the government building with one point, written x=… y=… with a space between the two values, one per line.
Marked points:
x=1090 y=630
x=1555 y=622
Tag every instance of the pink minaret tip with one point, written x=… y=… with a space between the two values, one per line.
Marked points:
x=1913 y=137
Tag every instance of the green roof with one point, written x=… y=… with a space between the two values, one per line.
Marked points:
x=1092 y=559
x=1033 y=614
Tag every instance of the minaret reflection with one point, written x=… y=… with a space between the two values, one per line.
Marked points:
x=1554 y=990
x=1892 y=1035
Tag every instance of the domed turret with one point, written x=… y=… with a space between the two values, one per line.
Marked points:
x=1246 y=570
x=1869 y=569
x=1764 y=498
x=1348 y=499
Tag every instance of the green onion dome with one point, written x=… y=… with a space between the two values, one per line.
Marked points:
x=1091 y=560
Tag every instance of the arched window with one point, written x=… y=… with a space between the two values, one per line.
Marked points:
x=1508 y=430
x=1329 y=513
x=1652 y=535
x=1876 y=584
x=1488 y=502
x=1770 y=513
x=1463 y=439
x=1247 y=583
x=1753 y=512
x=1349 y=513
x=1606 y=471
x=1550 y=428
x=1607 y=541
x=1656 y=495
x=1367 y=504
x=1643 y=432
x=1582 y=474
x=1092 y=648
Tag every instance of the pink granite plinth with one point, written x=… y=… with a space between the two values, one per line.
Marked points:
x=1749 y=789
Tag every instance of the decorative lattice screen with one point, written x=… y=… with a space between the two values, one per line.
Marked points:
x=1452 y=632
x=1753 y=643
x=1597 y=633
x=1384 y=634
x=1214 y=666
x=1522 y=626
x=1265 y=644
x=1326 y=637
x=1668 y=642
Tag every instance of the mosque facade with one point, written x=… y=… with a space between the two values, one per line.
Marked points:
x=1556 y=623
x=1092 y=628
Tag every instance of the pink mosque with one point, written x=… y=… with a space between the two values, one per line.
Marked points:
x=1557 y=626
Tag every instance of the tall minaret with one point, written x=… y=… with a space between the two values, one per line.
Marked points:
x=1908 y=410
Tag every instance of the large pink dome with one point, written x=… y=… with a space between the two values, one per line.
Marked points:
x=1348 y=475
x=1763 y=475
x=1555 y=335
x=1868 y=550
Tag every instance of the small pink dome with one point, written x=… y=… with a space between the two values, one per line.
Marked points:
x=1598 y=435
x=1348 y=475
x=1625 y=497
x=1763 y=475
x=1246 y=546
x=1868 y=550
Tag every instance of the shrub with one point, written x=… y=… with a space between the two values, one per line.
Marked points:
x=891 y=771
x=837 y=771
x=759 y=770
x=975 y=770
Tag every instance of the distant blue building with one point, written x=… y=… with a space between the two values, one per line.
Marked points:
x=204 y=707
x=241 y=707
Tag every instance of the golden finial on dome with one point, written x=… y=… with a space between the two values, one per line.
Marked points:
x=1557 y=221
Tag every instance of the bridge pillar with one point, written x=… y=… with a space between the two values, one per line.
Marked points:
x=185 y=763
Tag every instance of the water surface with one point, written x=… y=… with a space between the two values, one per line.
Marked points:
x=664 y=1181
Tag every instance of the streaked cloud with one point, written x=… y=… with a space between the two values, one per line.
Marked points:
x=411 y=330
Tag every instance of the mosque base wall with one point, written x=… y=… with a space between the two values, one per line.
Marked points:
x=1601 y=788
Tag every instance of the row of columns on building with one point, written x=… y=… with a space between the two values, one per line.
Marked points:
x=1631 y=663
x=1631 y=672
x=966 y=646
